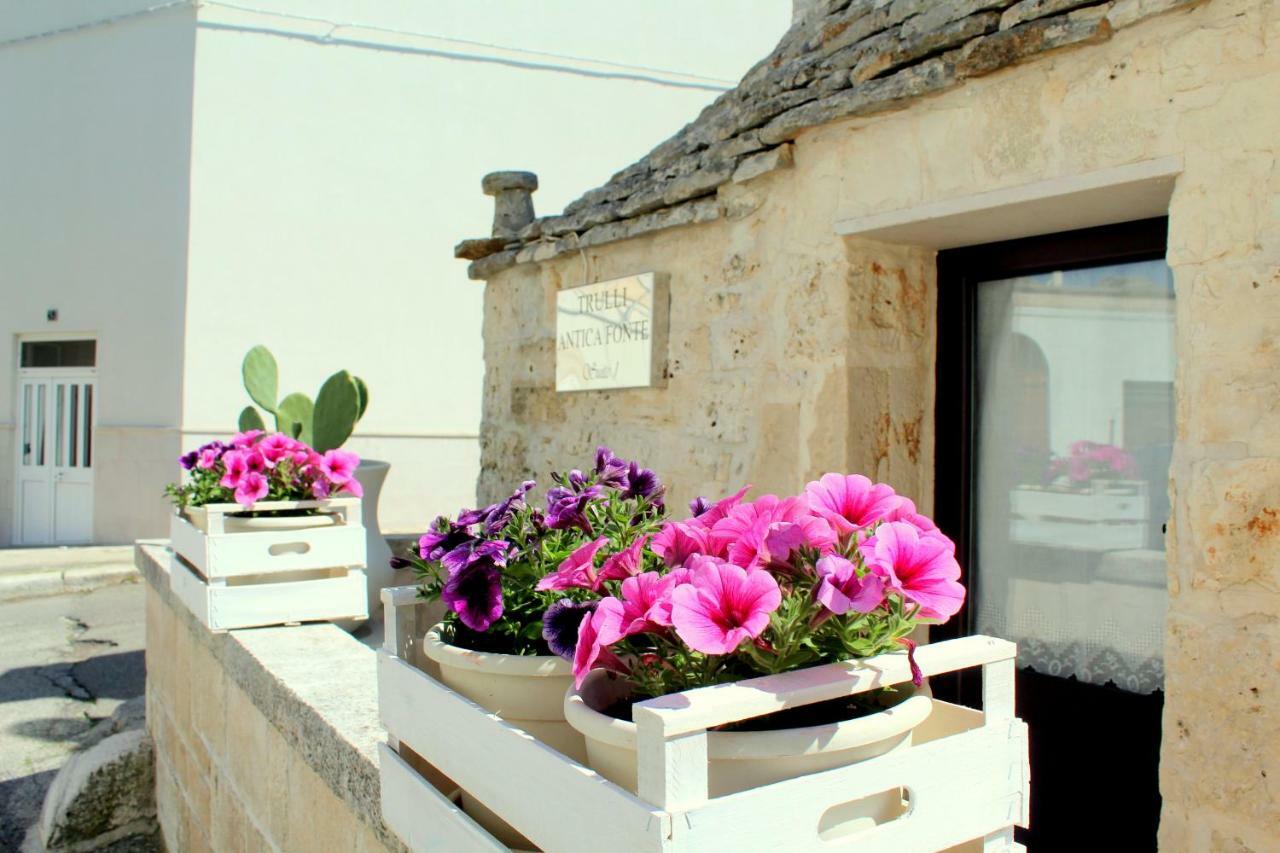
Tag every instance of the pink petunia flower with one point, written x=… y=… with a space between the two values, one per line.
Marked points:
x=276 y=447
x=722 y=606
x=339 y=465
x=840 y=590
x=646 y=599
x=850 y=502
x=624 y=564
x=577 y=570
x=677 y=541
x=719 y=509
x=236 y=464
x=208 y=458
x=906 y=511
x=252 y=487
x=245 y=439
x=591 y=651
x=352 y=488
x=921 y=567
x=659 y=612
x=766 y=531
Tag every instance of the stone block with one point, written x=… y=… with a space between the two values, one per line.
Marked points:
x=107 y=791
x=226 y=832
x=756 y=165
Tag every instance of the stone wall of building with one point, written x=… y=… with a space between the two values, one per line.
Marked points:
x=794 y=351
x=264 y=739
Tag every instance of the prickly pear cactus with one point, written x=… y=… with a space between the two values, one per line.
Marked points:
x=337 y=410
x=324 y=424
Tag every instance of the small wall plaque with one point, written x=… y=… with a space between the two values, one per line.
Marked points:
x=612 y=334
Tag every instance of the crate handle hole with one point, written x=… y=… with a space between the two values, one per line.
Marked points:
x=854 y=817
x=289 y=548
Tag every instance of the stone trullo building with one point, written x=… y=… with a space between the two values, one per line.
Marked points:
x=1021 y=260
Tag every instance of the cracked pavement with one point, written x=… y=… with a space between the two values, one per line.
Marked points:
x=66 y=662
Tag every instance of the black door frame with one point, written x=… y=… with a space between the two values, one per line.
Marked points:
x=960 y=271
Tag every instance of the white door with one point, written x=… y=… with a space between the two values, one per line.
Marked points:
x=55 y=457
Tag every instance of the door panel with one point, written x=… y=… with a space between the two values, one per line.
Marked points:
x=55 y=458
x=1055 y=425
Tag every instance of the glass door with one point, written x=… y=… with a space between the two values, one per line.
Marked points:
x=1064 y=378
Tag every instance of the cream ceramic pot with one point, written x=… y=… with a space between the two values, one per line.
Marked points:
x=741 y=760
x=525 y=690
x=199 y=519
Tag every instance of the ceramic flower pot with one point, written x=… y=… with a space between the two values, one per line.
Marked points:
x=526 y=690
x=372 y=473
x=738 y=761
x=199 y=519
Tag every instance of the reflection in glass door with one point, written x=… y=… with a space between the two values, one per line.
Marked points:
x=1061 y=361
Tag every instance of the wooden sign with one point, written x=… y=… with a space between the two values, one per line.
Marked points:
x=612 y=334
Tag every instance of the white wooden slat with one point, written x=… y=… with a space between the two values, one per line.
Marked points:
x=961 y=787
x=997 y=691
x=707 y=707
x=251 y=553
x=398 y=606
x=423 y=817
x=190 y=589
x=255 y=605
x=268 y=552
x=556 y=803
x=670 y=773
x=222 y=607
x=999 y=842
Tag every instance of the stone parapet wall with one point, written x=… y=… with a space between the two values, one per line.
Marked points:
x=265 y=739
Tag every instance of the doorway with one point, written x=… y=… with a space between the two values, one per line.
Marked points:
x=1055 y=431
x=55 y=443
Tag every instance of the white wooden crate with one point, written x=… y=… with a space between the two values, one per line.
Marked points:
x=967 y=774
x=248 y=579
x=1111 y=516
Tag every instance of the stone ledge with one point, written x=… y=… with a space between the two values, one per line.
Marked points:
x=316 y=685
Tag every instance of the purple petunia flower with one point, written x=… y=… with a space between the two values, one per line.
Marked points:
x=699 y=505
x=399 y=563
x=565 y=509
x=468 y=517
x=642 y=483
x=492 y=550
x=475 y=594
x=442 y=538
x=560 y=625
x=188 y=460
x=610 y=470
x=500 y=513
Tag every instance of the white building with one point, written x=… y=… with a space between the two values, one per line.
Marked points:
x=180 y=181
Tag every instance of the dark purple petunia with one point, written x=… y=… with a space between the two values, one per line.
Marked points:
x=399 y=563
x=500 y=513
x=642 y=483
x=442 y=538
x=565 y=509
x=468 y=517
x=560 y=625
x=577 y=480
x=610 y=470
x=475 y=594
x=699 y=505
x=188 y=460
x=492 y=550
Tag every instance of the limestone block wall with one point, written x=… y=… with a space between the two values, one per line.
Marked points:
x=794 y=351
x=264 y=739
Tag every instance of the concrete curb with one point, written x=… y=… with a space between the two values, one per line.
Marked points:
x=19 y=585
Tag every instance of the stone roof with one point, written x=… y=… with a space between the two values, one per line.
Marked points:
x=844 y=58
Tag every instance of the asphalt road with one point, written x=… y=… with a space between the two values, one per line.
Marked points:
x=65 y=662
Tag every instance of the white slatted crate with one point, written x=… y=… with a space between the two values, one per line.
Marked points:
x=241 y=578
x=1111 y=515
x=966 y=774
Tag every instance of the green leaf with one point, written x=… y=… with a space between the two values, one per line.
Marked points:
x=363 y=391
x=261 y=378
x=250 y=419
x=299 y=411
x=337 y=406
